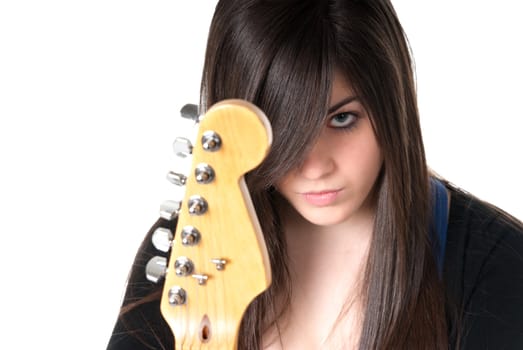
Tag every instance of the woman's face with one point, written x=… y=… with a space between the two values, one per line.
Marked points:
x=334 y=181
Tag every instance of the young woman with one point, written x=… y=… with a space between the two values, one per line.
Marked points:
x=369 y=250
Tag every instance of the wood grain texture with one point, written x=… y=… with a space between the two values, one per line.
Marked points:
x=230 y=230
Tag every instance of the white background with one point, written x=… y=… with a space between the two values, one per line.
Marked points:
x=90 y=93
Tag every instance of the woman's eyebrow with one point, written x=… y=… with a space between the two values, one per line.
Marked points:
x=337 y=105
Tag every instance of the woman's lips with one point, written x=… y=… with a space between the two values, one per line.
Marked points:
x=321 y=198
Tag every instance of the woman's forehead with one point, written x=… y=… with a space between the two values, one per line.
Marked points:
x=341 y=89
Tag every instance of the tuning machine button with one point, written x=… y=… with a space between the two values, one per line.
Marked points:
x=156 y=268
x=176 y=178
x=190 y=111
x=211 y=141
x=182 y=147
x=169 y=209
x=162 y=239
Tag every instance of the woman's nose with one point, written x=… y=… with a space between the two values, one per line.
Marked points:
x=319 y=162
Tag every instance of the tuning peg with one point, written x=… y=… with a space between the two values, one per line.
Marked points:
x=182 y=147
x=169 y=209
x=211 y=141
x=183 y=266
x=162 y=239
x=156 y=268
x=190 y=111
x=197 y=205
x=190 y=236
x=176 y=178
x=177 y=296
x=204 y=173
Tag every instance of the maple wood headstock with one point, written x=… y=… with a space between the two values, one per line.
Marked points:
x=218 y=261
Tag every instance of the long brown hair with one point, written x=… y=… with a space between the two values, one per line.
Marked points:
x=281 y=55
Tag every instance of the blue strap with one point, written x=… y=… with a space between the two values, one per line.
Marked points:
x=440 y=215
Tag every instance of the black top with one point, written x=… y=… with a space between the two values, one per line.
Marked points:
x=483 y=274
x=483 y=277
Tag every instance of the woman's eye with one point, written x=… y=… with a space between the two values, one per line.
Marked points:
x=343 y=120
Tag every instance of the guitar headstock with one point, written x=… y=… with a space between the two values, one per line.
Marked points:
x=218 y=260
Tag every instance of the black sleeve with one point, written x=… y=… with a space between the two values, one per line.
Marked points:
x=143 y=327
x=493 y=315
